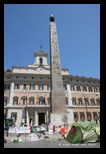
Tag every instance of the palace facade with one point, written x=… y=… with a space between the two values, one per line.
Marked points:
x=27 y=93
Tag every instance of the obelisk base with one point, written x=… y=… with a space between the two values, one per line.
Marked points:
x=61 y=119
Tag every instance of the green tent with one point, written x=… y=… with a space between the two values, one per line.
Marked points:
x=84 y=132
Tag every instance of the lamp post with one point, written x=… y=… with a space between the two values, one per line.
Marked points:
x=86 y=106
x=26 y=113
x=26 y=110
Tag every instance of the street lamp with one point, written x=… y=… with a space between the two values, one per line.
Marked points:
x=26 y=113
x=26 y=110
x=88 y=117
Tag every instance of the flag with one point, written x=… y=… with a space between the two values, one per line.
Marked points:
x=44 y=101
x=31 y=126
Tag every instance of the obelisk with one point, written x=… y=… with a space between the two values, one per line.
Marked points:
x=57 y=101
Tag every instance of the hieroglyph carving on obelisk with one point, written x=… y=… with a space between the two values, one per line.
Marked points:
x=58 y=102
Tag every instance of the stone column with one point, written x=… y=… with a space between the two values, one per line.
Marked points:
x=92 y=116
x=11 y=94
x=69 y=95
x=27 y=118
x=47 y=113
x=36 y=118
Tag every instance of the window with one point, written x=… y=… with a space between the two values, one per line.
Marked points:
x=80 y=102
x=15 y=100
x=32 y=86
x=23 y=101
x=5 y=102
x=31 y=100
x=16 y=86
x=40 y=87
x=40 y=61
x=82 y=116
x=89 y=117
x=95 y=89
x=74 y=101
x=65 y=87
x=48 y=87
x=41 y=100
x=98 y=102
x=24 y=86
x=72 y=88
x=7 y=86
x=14 y=116
x=92 y=102
x=84 y=89
x=86 y=102
x=95 y=116
x=78 y=88
x=75 y=116
x=90 y=89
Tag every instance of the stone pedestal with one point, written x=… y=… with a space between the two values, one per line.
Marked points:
x=61 y=119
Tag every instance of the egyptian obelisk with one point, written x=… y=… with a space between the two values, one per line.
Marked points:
x=58 y=102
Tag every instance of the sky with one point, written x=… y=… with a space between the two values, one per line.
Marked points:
x=26 y=28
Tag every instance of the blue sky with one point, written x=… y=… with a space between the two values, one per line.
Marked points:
x=26 y=28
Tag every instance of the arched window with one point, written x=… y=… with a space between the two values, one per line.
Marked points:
x=74 y=101
x=15 y=100
x=90 y=89
x=98 y=102
x=40 y=61
x=82 y=116
x=24 y=100
x=86 y=102
x=31 y=100
x=80 y=102
x=89 y=117
x=95 y=89
x=92 y=102
x=41 y=100
x=84 y=89
x=75 y=116
x=78 y=88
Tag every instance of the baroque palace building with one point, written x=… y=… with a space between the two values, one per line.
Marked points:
x=27 y=93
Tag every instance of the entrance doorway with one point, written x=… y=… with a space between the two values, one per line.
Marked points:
x=41 y=118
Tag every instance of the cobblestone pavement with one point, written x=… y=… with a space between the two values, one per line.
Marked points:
x=47 y=141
